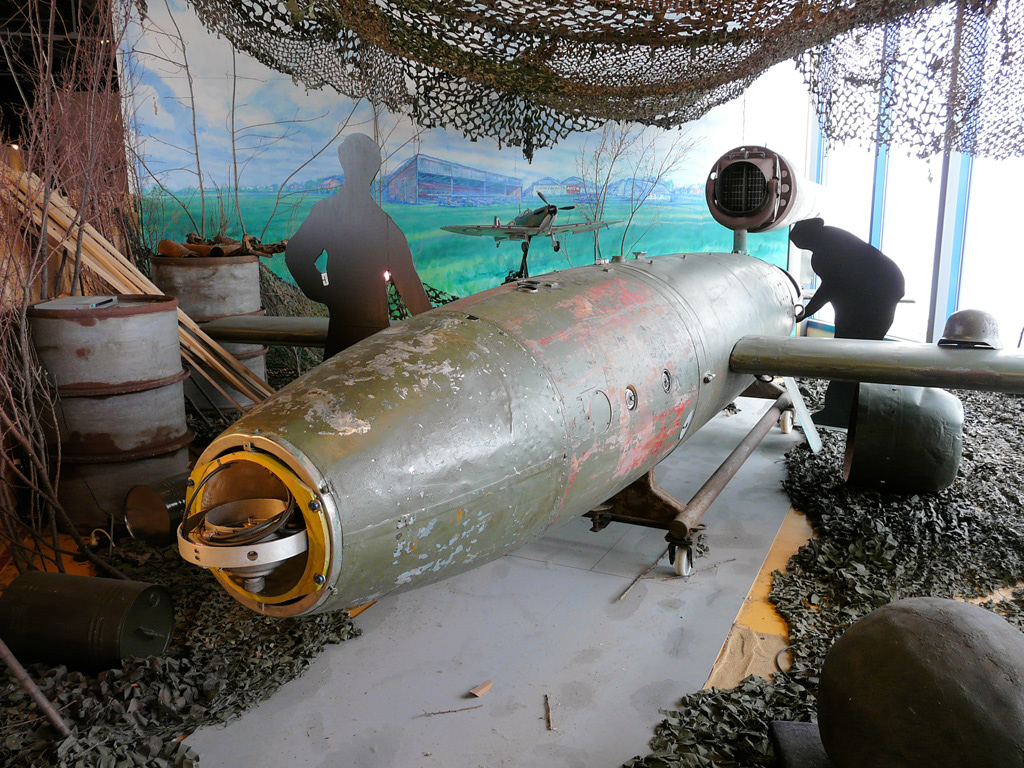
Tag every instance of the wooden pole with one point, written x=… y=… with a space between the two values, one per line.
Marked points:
x=99 y=255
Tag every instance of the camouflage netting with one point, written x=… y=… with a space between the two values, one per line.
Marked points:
x=528 y=73
x=953 y=79
x=222 y=661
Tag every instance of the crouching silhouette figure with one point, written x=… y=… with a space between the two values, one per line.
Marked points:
x=862 y=284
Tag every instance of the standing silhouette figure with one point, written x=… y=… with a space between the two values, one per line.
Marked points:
x=362 y=243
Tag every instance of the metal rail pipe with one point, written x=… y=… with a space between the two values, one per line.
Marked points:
x=277 y=331
x=882 y=362
x=686 y=521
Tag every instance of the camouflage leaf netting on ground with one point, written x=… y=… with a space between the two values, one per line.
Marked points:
x=528 y=73
x=870 y=549
x=222 y=661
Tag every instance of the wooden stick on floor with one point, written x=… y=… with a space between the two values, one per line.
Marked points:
x=33 y=690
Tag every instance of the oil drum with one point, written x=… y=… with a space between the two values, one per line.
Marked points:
x=84 y=622
x=120 y=412
x=209 y=288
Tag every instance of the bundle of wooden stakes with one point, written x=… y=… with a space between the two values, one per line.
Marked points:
x=64 y=228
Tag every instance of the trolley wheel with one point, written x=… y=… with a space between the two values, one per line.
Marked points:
x=684 y=561
x=786 y=422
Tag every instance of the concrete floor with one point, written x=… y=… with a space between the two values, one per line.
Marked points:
x=545 y=620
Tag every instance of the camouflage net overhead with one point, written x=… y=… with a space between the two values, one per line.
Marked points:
x=949 y=77
x=529 y=72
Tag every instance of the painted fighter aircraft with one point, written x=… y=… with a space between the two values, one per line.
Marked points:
x=527 y=226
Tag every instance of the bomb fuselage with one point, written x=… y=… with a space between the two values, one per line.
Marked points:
x=458 y=435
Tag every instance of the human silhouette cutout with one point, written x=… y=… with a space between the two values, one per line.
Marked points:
x=362 y=243
x=862 y=284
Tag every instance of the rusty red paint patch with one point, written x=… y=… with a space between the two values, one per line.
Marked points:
x=616 y=295
x=652 y=440
x=83 y=353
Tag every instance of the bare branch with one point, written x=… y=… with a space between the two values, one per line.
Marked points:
x=280 y=190
x=233 y=134
x=167 y=191
x=195 y=132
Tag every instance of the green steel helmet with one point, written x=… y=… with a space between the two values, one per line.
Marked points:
x=971 y=328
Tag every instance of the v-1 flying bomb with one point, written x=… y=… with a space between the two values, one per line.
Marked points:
x=453 y=438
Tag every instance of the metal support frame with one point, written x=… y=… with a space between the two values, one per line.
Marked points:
x=878 y=190
x=954 y=191
x=686 y=521
x=739 y=241
x=645 y=504
x=955 y=185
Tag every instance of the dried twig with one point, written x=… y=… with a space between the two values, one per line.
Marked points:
x=449 y=711
x=547 y=712
x=647 y=570
x=23 y=723
x=33 y=690
x=77 y=96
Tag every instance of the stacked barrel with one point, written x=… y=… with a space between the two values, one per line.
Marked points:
x=209 y=288
x=120 y=412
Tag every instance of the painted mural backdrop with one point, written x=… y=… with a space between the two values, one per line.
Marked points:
x=226 y=145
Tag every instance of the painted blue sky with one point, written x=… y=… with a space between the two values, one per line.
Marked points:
x=281 y=125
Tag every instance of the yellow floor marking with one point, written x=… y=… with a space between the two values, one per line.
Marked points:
x=356 y=610
x=757 y=612
x=759 y=633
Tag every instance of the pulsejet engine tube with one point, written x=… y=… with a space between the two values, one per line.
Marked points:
x=755 y=189
x=902 y=363
x=460 y=434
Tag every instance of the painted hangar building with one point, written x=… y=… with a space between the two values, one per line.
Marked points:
x=425 y=179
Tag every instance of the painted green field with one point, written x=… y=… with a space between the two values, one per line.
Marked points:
x=463 y=265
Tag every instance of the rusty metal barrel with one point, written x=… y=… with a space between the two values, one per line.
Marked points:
x=208 y=289
x=87 y=623
x=120 y=412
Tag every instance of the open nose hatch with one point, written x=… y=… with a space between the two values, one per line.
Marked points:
x=257 y=527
